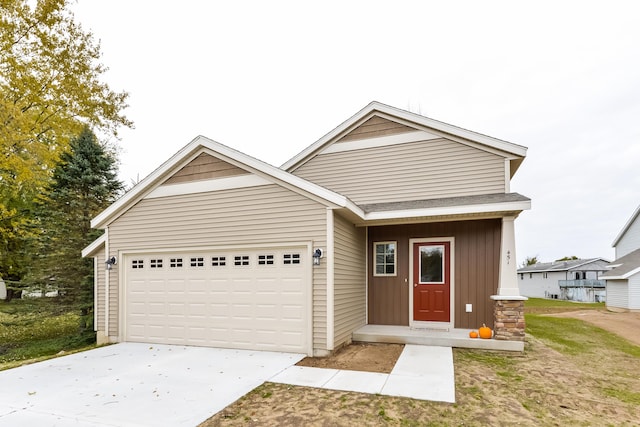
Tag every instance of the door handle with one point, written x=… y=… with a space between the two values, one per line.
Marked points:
x=415 y=285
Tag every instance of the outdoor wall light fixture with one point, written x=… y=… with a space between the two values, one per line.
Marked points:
x=110 y=262
x=317 y=254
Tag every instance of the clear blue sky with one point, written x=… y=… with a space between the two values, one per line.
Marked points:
x=270 y=78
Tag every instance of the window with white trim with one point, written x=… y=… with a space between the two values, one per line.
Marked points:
x=289 y=259
x=218 y=261
x=241 y=260
x=384 y=258
x=155 y=263
x=175 y=262
x=137 y=263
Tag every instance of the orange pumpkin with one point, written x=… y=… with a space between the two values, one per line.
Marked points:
x=473 y=334
x=485 y=332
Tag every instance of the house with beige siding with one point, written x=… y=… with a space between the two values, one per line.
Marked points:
x=390 y=222
x=623 y=281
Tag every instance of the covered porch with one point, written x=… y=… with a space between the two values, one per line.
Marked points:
x=455 y=337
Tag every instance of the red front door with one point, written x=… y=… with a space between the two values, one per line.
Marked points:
x=431 y=282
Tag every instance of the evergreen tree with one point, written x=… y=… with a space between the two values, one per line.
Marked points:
x=84 y=183
x=50 y=86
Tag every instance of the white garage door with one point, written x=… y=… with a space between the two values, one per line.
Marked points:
x=248 y=299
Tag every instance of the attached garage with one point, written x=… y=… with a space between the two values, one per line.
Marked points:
x=254 y=299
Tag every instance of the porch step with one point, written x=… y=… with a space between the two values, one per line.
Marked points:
x=445 y=338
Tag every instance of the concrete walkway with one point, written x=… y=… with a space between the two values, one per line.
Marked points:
x=132 y=384
x=421 y=372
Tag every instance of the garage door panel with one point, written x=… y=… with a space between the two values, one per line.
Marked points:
x=249 y=300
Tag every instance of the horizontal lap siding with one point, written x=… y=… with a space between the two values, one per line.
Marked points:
x=100 y=283
x=631 y=240
x=413 y=171
x=349 y=279
x=634 y=292
x=248 y=216
x=618 y=293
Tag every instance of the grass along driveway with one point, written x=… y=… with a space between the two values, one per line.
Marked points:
x=571 y=373
x=33 y=329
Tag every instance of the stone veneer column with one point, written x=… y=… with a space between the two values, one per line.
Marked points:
x=509 y=319
x=508 y=311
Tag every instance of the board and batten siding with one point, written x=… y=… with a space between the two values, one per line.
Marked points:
x=630 y=241
x=247 y=216
x=413 y=171
x=476 y=269
x=618 y=294
x=349 y=279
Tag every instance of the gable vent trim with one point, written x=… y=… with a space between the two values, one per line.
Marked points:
x=204 y=186
x=382 y=141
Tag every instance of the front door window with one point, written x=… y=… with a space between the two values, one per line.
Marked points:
x=431 y=264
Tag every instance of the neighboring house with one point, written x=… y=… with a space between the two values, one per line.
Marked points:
x=623 y=281
x=391 y=218
x=574 y=280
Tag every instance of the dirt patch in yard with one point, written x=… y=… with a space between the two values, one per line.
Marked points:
x=625 y=324
x=368 y=357
x=540 y=386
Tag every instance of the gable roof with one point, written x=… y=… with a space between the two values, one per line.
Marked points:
x=571 y=265
x=631 y=220
x=155 y=184
x=203 y=144
x=515 y=153
x=95 y=246
x=625 y=267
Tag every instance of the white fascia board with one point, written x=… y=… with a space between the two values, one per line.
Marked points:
x=449 y=210
x=508 y=147
x=626 y=227
x=94 y=246
x=143 y=186
x=624 y=276
x=203 y=144
x=310 y=150
x=504 y=146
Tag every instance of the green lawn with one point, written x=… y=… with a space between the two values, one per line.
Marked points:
x=543 y=306
x=32 y=329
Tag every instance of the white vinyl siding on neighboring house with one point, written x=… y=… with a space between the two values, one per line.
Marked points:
x=225 y=218
x=630 y=241
x=536 y=285
x=618 y=294
x=430 y=169
x=634 y=292
x=350 y=279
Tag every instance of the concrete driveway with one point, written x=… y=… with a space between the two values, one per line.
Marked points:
x=131 y=384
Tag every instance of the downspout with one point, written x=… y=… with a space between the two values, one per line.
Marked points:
x=329 y=257
x=96 y=264
x=107 y=274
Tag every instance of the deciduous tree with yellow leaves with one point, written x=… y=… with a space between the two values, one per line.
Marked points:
x=50 y=88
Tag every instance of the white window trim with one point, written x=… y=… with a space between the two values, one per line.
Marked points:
x=395 y=259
